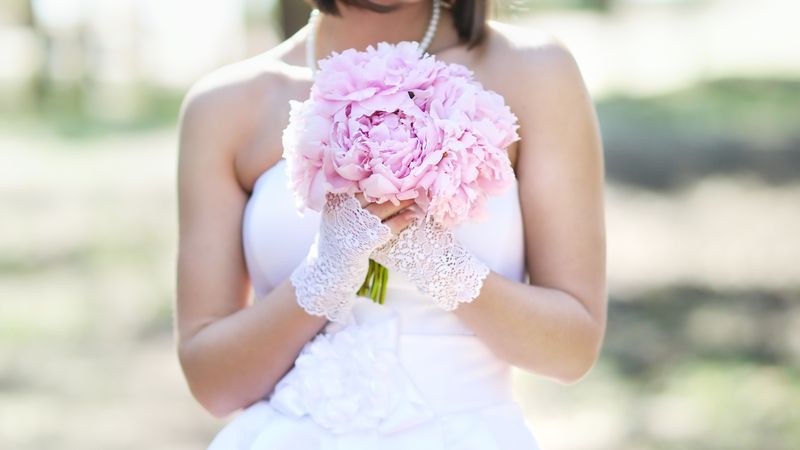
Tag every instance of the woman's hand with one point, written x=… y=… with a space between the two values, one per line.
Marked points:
x=431 y=257
x=350 y=228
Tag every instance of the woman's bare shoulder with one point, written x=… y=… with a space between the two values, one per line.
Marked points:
x=228 y=92
x=229 y=106
x=544 y=87
x=529 y=50
x=541 y=72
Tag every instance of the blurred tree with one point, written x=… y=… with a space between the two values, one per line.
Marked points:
x=18 y=93
x=39 y=83
x=62 y=81
x=16 y=12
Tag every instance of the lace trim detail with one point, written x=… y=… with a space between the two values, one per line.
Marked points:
x=429 y=255
x=327 y=280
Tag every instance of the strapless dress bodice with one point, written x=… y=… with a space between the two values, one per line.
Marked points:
x=276 y=238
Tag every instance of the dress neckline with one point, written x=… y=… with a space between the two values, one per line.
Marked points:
x=264 y=174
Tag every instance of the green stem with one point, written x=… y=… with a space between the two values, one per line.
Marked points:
x=384 y=280
x=373 y=292
x=365 y=285
x=374 y=285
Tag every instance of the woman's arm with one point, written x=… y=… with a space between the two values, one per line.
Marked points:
x=232 y=354
x=555 y=325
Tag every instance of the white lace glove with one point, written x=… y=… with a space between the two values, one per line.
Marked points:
x=327 y=280
x=431 y=257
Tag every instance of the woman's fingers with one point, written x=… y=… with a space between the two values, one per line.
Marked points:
x=382 y=210
x=396 y=217
x=400 y=221
x=360 y=197
x=387 y=210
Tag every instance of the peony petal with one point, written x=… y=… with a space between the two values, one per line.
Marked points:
x=377 y=186
x=316 y=191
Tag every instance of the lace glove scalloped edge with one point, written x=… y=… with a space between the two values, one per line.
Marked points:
x=431 y=257
x=327 y=280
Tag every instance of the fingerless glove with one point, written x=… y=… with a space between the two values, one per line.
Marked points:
x=336 y=264
x=431 y=257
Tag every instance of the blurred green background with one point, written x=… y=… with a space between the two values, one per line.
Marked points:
x=699 y=102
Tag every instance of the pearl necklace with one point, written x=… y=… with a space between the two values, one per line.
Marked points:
x=313 y=22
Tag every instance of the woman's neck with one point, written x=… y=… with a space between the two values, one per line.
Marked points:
x=358 y=27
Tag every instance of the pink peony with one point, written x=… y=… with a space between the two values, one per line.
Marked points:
x=395 y=126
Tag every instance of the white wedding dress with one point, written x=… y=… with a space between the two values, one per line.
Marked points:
x=404 y=375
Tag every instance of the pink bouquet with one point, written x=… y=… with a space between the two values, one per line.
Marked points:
x=395 y=126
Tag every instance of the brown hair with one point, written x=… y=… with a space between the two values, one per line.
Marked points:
x=469 y=15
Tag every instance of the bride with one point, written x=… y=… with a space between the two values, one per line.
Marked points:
x=313 y=366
